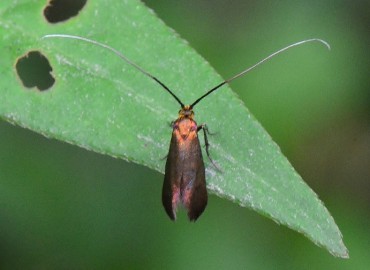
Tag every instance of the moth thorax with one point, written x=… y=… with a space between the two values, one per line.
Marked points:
x=186 y=112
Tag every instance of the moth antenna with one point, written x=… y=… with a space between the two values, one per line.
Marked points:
x=259 y=63
x=124 y=58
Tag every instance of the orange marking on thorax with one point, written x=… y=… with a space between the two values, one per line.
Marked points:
x=185 y=130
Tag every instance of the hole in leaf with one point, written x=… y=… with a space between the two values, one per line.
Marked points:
x=34 y=70
x=62 y=10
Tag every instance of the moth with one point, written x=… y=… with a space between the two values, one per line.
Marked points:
x=185 y=177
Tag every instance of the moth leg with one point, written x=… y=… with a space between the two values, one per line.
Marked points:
x=206 y=133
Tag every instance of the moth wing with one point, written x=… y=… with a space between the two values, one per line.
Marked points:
x=172 y=179
x=194 y=194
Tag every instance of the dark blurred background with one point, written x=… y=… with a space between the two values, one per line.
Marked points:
x=63 y=207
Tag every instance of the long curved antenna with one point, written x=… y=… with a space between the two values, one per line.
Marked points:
x=121 y=56
x=257 y=64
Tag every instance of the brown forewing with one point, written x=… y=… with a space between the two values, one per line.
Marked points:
x=184 y=180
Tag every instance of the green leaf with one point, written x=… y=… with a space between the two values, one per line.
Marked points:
x=100 y=103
